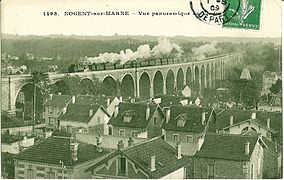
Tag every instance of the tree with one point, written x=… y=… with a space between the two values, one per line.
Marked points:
x=276 y=87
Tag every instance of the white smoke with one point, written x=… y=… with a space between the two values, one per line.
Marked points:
x=163 y=48
x=200 y=53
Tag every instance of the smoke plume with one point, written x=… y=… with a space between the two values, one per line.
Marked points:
x=162 y=49
x=200 y=53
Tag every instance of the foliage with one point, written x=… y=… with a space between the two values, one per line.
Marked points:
x=276 y=87
x=7 y=165
x=74 y=85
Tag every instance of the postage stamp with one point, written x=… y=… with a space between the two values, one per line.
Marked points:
x=247 y=16
x=242 y=14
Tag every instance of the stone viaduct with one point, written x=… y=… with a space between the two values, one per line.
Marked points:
x=142 y=81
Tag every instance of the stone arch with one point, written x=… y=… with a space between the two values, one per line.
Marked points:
x=60 y=86
x=212 y=71
x=180 y=79
x=158 y=83
x=24 y=101
x=144 y=85
x=189 y=78
x=127 y=86
x=88 y=86
x=170 y=82
x=110 y=86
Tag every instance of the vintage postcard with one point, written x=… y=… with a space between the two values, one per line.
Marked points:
x=116 y=89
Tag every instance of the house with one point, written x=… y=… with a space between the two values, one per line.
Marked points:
x=272 y=161
x=108 y=102
x=186 y=125
x=240 y=121
x=57 y=157
x=272 y=104
x=53 y=107
x=90 y=118
x=268 y=79
x=136 y=120
x=152 y=159
x=169 y=100
x=226 y=156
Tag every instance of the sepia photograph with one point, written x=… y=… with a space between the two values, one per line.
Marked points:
x=124 y=89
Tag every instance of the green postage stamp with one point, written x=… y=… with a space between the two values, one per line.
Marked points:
x=247 y=16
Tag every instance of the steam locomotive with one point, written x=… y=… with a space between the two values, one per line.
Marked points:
x=129 y=64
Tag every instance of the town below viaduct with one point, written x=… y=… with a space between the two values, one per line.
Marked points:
x=139 y=82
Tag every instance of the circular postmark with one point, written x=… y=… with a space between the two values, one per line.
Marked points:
x=216 y=12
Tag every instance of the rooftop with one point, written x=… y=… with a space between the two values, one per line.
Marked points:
x=56 y=148
x=165 y=156
x=57 y=100
x=80 y=113
x=192 y=117
x=227 y=146
x=137 y=112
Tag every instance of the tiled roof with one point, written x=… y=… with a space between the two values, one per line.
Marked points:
x=168 y=100
x=192 y=116
x=139 y=115
x=55 y=149
x=58 y=100
x=239 y=116
x=80 y=113
x=227 y=146
x=91 y=100
x=165 y=157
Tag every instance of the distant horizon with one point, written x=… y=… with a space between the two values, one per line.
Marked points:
x=223 y=36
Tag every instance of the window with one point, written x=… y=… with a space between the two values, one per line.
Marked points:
x=30 y=174
x=21 y=172
x=211 y=171
x=134 y=133
x=252 y=171
x=109 y=130
x=99 y=119
x=181 y=123
x=21 y=165
x=189 y=138
x=40 y=168
x=175 y=137
x=155 y=121
x=122 y=132
x=122 y=166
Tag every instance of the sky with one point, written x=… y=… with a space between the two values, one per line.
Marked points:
x=25 y=17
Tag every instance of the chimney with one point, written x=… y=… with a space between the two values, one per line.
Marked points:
x=74 y=150
x=203 y=118
x=59 y=93
x=178 y=150
x=120 y=145
x=108 y=101
x=168 y=114
x=64 y=110
x=50 y=96
x=247 y=148
x=115 y=111
x=231 y=120
x=153 y=163
x=99 y=143
x=120 y=99
x=73 y=99
x=268 y=123
x=253 y=115
x=91 y=112
x=130 y=142
x=147 y=112
x=132 y=100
